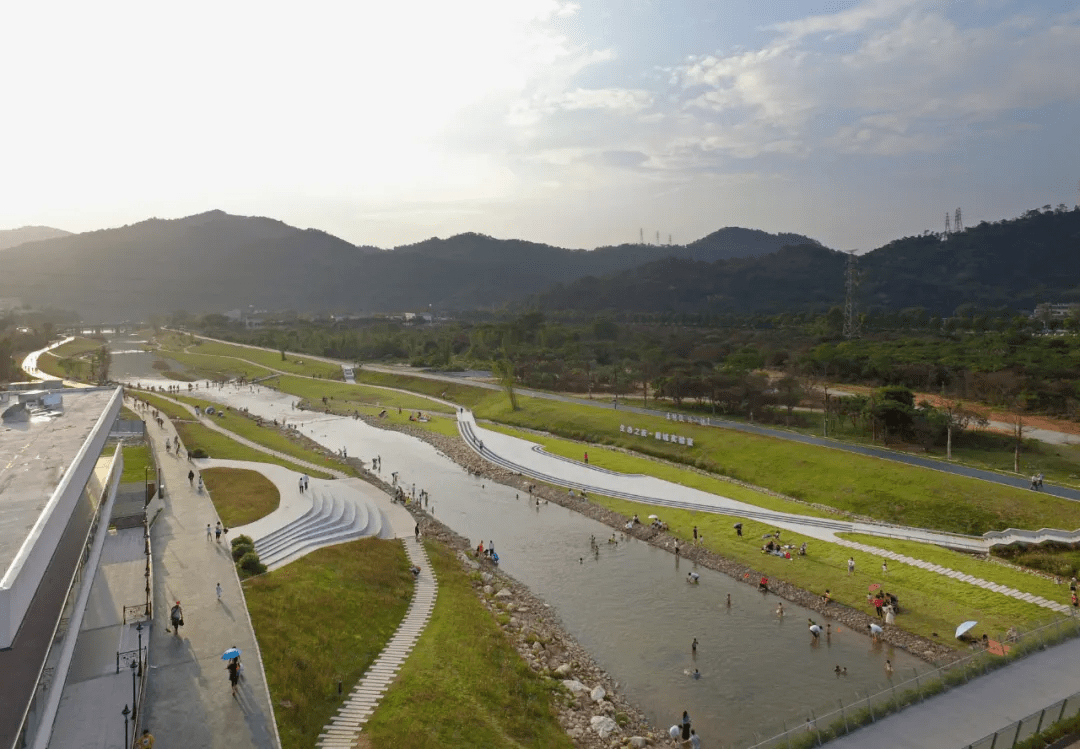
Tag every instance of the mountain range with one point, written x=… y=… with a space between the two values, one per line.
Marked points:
x=215 y=261
x=22 y=235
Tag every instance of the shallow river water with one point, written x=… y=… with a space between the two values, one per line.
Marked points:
x=629 y=605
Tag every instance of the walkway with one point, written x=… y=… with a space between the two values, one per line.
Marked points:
x=188 y=699
x=1020 y=482
x=345 y=727
x=529 y=459
x=963 y=716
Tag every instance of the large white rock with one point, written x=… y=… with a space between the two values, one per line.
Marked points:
x=575 y=686
x=487 y=577
x=598 y=694
x=504 y=593
x=488 y=590
x=638 y=742
x=563 y=670
x=603 y=725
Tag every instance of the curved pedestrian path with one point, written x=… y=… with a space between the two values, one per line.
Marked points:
x=520 y=456
x=343 y=730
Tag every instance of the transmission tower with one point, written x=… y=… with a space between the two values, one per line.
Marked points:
x=657 y=236
x=641 y=236
x=958 y=223
x=948 y=229
x=669 y=240
x=851 y=284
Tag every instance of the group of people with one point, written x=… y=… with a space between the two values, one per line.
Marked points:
x=682 y=733
x=886 y=606
x=488 y=552
x=1037 y=482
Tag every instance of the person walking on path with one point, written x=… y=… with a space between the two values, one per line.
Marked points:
x=217 y=532
x=191 y=478
x=301 y=484
x=586 y=459
x=234 y=674
x=176 y=616
x=851 y=565
x=416 y=531
x=200 y=484
x=209 y=532
x=219 y=591
x=305 y=482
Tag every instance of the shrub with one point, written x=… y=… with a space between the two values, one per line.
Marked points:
x=242 y=539
x=198 y=452
x=251 y=565
x=239 y=551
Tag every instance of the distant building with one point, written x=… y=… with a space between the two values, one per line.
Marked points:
x=9 y=303
x=1055 y=311
x=57 y=488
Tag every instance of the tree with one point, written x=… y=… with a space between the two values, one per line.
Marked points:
x=504 y=370
x=99 y=365
x=789 y=393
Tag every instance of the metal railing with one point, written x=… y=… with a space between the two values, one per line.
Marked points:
x=1025 y=728
x=818 y=727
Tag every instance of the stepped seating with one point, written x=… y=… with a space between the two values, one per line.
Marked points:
x=335 y=517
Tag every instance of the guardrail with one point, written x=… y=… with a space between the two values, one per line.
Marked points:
x=819 y=727
x=1025 y=728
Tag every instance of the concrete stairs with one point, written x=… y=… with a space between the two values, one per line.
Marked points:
x=343 y=730
x=332 y=519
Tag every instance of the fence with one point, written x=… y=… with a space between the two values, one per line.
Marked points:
x=1025 y=728
x=839 y=719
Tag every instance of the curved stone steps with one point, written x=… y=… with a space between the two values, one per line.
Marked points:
x=368 y=523
x=344 y=729
x=328 y=511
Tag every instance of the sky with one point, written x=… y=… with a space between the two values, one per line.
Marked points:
x=577 y=123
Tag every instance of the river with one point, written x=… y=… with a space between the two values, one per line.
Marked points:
x=629 y=604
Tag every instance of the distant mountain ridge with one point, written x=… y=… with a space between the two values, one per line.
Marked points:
x=216 y=261
x=24 y=234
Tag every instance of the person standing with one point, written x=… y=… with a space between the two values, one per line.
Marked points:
x=685 y=726
x=219 y=591
x=695 y=534
x=217 y=532
x=416 y=531
x=209 y=532
x=586 y=459
x=147 y=740
x=851 y=565
x=884 y=567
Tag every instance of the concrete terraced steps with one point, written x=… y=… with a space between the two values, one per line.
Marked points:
x=1005 y=590
x=334 y=517
x=343 y=730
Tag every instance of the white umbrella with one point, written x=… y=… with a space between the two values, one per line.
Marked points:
x=964 y=628
x=654 y=517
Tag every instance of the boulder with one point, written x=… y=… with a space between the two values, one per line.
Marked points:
x=598 y=694
x=487 y=577
x=504 y=593
x=470 y=563
x=638 y=742
x=488 y=590
x=563 y=670
x=575 y=686
x=603 y=725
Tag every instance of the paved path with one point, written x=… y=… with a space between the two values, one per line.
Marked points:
x=963 y=716
x=188 y=699
x=527 y=458
x=344 y=728
x=1021 y=482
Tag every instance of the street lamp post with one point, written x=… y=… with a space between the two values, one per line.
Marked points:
x=146 y=485
x=134 y=691
x=139 y=630
x=125 y=712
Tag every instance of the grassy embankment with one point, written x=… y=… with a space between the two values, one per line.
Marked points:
x=72 y=352
x=1054 y=559
x=321 y=619
x=136 y=460
x=240 y=496
x=211 y=367
x=930 y=602
x=464 y=685
x=266 y=436
x=868 y=486
x=294 y=363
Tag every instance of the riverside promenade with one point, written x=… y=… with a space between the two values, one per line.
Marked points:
x=188 y=698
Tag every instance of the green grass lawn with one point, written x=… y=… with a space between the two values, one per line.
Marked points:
x=1051 y=558
x=358 y=395
x=322 y=619
x=136 y=459
x=294 y=363
x=929 y=602
x=464 y=685
x=170 y=409
x=616 y=460
x=868 y=486
x=249 y=428
x=77 y=347
x=215 y=367
x=126 y=414
x=217 y=445
x=969 y=565
x=240 y=496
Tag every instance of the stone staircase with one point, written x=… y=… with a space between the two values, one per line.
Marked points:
x=343 y=730
x=335 y=517
x=1004 y=590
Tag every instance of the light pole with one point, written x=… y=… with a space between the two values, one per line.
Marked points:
x=139 y=630
x=125 y=712
x=146 y=485
x=134 y=702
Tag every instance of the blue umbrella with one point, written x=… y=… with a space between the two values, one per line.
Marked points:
x=231 y=653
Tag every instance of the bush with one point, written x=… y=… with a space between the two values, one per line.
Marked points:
x=239 y=551
x=198 y=452
x=242 y=539
x=250 y=564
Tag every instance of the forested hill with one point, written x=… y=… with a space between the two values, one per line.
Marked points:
x=214 y=262
x=1014 y=263
x=22 y=235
